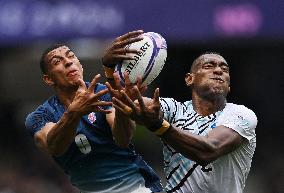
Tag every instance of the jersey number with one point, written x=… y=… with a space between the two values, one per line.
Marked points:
x=83 y=143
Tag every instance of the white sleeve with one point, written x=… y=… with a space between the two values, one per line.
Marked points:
x=169 y=108
x=240 y=119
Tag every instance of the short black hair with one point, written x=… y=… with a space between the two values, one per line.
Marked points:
x=43 y=65
x=198 y=60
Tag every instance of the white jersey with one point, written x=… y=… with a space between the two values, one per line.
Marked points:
x=228 y=173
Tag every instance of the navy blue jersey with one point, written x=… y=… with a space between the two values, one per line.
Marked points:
x=93 y=161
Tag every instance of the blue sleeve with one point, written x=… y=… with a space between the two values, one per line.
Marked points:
x=37 y=119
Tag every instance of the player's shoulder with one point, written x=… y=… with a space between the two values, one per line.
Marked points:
x=237 y=107
x=44 y=108
x=240 y=110
x=46 y=112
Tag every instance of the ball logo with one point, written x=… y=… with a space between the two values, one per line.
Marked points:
x=137 y=57
x=92 y=117
x=148 y=62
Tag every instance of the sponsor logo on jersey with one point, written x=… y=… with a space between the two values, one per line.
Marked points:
x=92 y=117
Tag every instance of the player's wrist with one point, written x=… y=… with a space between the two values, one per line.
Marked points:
x=107 y=63
x=160 y=127
x=163 y=129
x=108 y=68
x=72 y=116
x=108 y=72
x=73 y=111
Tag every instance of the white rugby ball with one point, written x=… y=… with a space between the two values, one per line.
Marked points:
x=149 y=61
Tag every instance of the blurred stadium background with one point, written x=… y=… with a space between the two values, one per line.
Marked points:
x=249 y=34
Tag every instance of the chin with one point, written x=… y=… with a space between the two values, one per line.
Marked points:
x=214 y=94
x=218 y=91
x=75 y=80
x=74 y=83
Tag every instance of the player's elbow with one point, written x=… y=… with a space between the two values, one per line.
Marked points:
x=56 y=149
x=48 y=148
x=207 y=157
x=56 y=152
x=208 y=154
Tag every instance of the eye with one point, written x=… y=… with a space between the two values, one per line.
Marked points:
x=71 y=55
x=225 y=68
x=208 y=66
x=56 y=61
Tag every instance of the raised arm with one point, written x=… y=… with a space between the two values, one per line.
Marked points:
x=55 y=138
x=202 y=149
x=122 y=126
x=116 y=52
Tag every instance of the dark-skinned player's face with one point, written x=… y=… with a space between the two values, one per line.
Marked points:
x=210 y=77
x=63 y=68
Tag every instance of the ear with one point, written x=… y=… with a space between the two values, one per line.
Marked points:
x=47 y=80
x=189 y=78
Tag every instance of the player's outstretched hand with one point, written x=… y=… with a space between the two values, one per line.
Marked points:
x=147 y=115
x=127 y=87
x=86 y=101
x=117 y=51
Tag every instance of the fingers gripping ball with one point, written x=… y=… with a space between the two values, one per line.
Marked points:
x=148 y=62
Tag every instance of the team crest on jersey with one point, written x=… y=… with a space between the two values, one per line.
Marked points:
x=92 y=117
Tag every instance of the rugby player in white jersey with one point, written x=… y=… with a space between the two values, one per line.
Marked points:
x=208 y=143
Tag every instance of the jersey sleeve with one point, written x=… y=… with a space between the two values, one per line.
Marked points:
x=240 y=119
x=37 y=119
x=169 y=108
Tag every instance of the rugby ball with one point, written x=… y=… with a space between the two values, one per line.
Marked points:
x=148 y=62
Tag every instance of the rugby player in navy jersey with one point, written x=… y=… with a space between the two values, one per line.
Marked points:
x=208 y=142
x=77 y=123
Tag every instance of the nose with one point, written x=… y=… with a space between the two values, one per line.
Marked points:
x=67 y=62
x=218 y=70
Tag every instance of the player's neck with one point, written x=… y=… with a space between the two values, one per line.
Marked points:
x=65 y=96
x=205 y=107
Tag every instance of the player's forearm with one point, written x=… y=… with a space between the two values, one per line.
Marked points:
x=123 y=129
x=63 y=133
x=194 y=147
